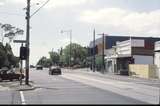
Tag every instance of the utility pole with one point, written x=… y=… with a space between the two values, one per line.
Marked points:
x=70 y=48
x=103 y=67
x=94 y=51
x=103 y=60
x=27 y=41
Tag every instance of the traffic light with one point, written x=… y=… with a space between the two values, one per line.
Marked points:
x=23 y=53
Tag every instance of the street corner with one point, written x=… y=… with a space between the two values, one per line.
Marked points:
x=15 y=85
x=25 y=87
x=2 y=88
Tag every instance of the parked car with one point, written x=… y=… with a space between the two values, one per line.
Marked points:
x=39 y=67
x=10 y=75
x=55 y=70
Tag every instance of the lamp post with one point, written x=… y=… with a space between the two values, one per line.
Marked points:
x=69 y=31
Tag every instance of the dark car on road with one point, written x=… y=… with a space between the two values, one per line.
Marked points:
x=39 y=67
x=10 y=75
x=54 y=70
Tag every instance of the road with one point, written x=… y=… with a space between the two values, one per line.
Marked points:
x=74 y=88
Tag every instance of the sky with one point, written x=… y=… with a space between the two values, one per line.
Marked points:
x=113 y=17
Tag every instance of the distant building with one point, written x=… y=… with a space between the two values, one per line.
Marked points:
x=131 y=49
x=127 y=52
x=157 y=57
x=111 y=41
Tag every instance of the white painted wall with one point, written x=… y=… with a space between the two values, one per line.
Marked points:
x=157 y=57
x=157 y=62
x=137 y=43
x=157 y=45
x=123 y=47
x=139 y=59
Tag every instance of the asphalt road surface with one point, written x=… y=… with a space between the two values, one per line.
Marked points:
x=64 y=89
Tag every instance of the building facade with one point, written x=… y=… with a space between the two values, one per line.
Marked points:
x=123 y=50
x=127 y=52
x=157 y=57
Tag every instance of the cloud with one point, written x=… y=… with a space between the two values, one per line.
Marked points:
x=66 y=3
x=66 y=41
x=2 y=2
x=56 y=3
x=18 y=1
x=125 y=21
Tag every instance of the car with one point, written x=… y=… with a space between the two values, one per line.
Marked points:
x=32 y=66
x=10 y=75
x=55 y=70
x=39 y=67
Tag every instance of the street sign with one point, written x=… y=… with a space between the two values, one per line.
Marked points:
x=19 y=41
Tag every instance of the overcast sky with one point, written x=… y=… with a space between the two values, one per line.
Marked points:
x=113 y=17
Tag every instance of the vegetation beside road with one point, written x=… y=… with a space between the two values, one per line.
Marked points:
x=62 y=58
x=7 y=58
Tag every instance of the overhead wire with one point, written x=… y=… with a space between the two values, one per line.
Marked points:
x=40 y=8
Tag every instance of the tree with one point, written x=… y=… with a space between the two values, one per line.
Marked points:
x=55 y=57
x=7 y=59
x=78 y=54
x=6 y=28
x=44 y=62
x=13 y=61
x=3 y=56
x=10 y=32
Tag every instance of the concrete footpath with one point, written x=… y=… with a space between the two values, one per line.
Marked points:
x=15 y=85
x=149 y=82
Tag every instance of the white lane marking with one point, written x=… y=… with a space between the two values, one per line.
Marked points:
x=22 y=98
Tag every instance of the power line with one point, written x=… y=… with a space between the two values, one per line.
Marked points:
x=40 y=8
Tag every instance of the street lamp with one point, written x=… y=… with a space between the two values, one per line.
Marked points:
x=69 y=31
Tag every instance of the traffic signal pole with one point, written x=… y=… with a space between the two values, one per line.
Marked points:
x=27 y=41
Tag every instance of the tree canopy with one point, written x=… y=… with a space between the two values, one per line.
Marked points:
x=55 y=57
x=7 y=58
x=78 y=56
x=44 y=62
